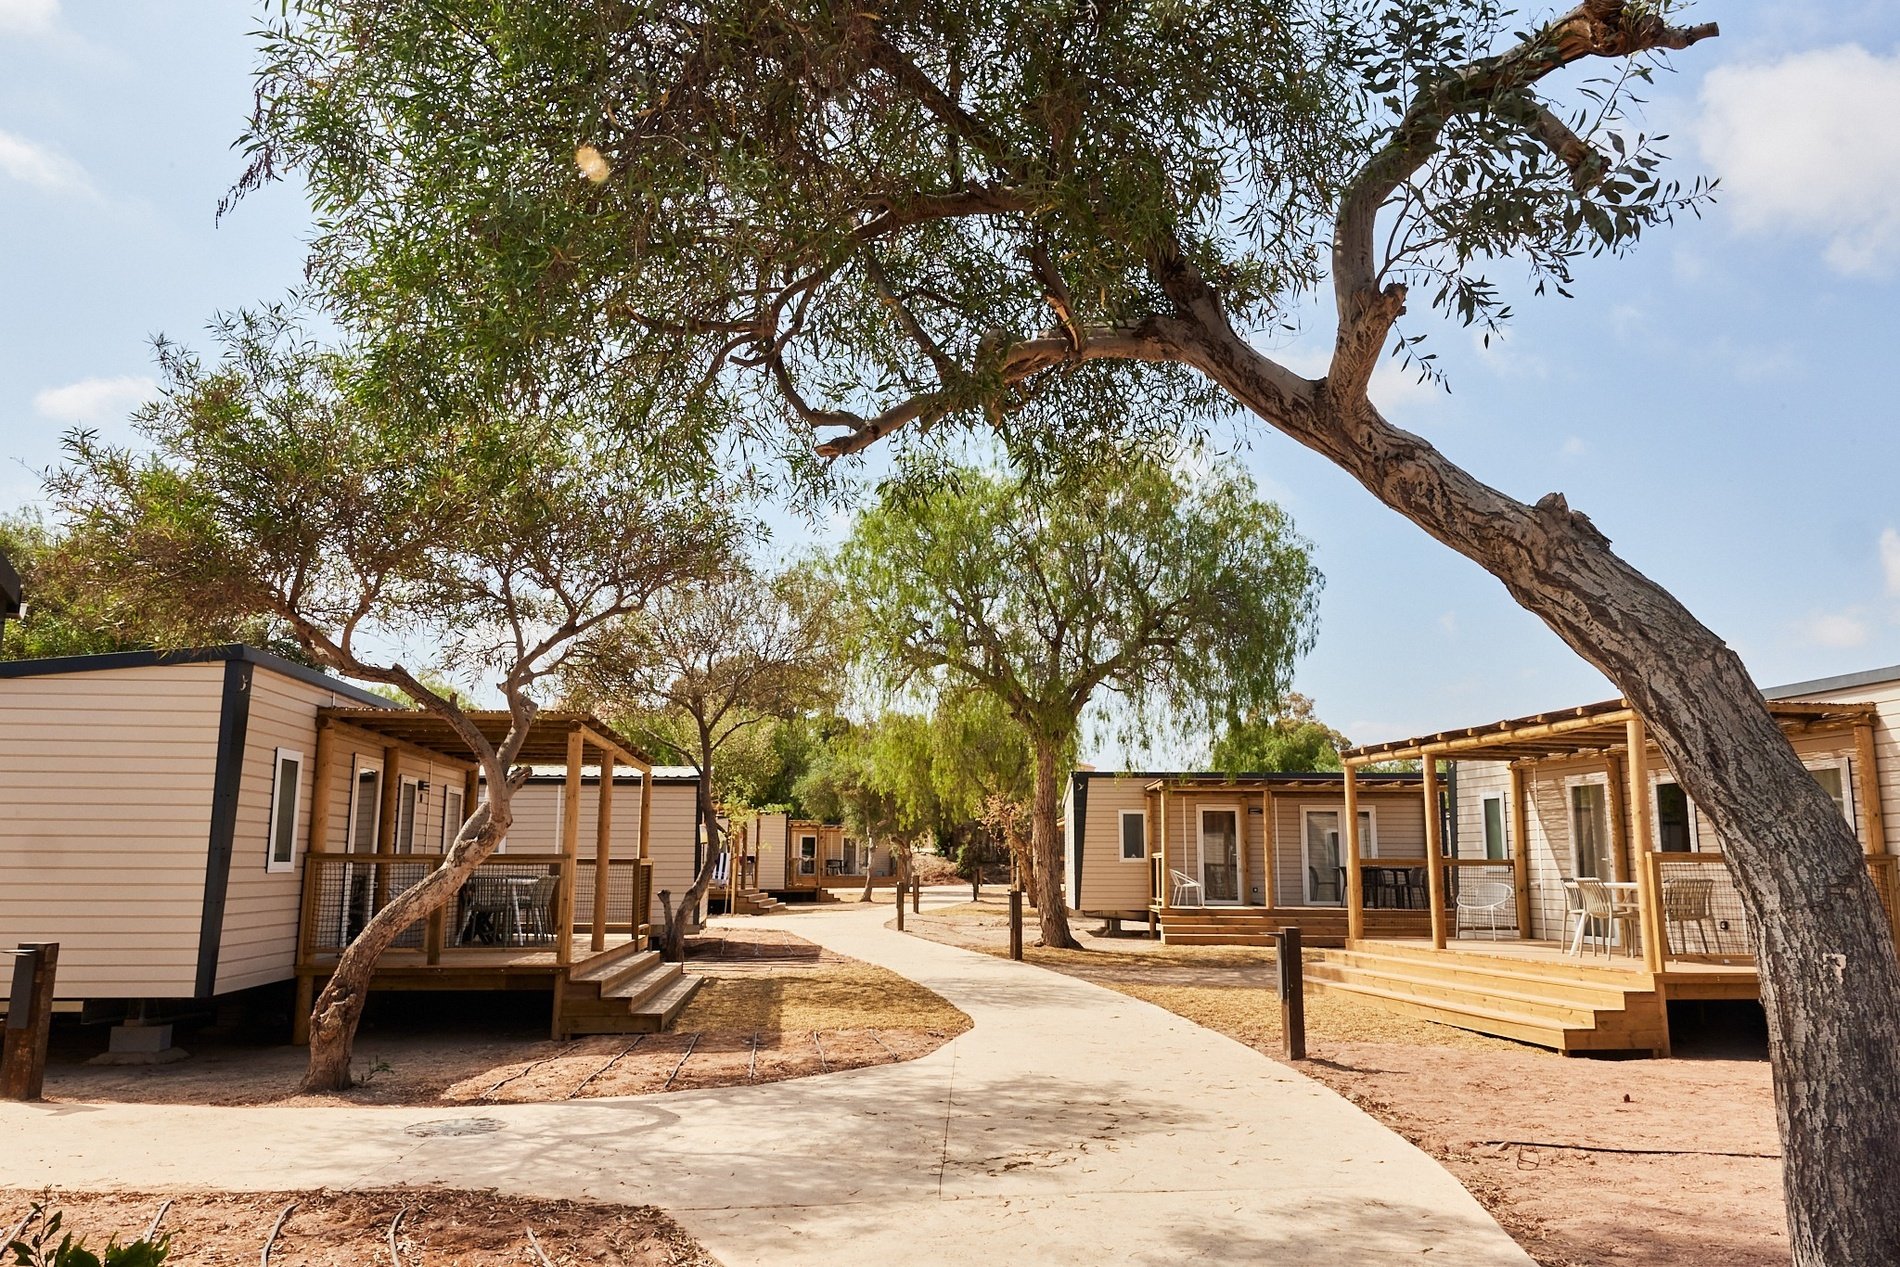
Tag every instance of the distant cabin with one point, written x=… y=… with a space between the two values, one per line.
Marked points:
x=794 y=857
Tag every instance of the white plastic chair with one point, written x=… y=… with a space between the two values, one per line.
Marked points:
x=1486 y=905
x=1600 y=904
x=1184 y=887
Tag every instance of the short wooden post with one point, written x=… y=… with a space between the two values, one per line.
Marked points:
x=1434 y=853
x=1873 y=817
x=1016 y=923
x=899 y=888
x=29 y=1021
x=603 y=849
x=1292 y=994
x=916 y=894
x=570 y=850
x=1349 y=842
x=1521 y=848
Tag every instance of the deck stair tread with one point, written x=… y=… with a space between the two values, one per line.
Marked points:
x=1504 y=976
x=625 y=993
x=1555 y=1004
x=613 y=963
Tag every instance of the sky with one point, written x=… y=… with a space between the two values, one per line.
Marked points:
x=1721 y=404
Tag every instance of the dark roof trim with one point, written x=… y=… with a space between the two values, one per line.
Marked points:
x=1077 y=828
x=1844 y=682
x=50 y=665
x=234 y=720
x=659 y=780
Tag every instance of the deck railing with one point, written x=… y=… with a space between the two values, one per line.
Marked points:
x=628 y=881
x=510 y=900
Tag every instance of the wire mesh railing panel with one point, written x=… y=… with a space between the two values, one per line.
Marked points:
x=1702 y=911
x=348 y=893
x=507 y=902
x=1483 y=897
x=623 y=880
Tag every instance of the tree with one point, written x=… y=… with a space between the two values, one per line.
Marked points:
x=841 y=785
x=703 y=665
x=884 y=219
x=1289 y=738
x=1186 y=599
x=269 y=482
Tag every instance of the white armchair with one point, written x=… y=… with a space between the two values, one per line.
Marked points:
x=1183 y=886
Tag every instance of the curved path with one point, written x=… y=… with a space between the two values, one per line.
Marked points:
x=1071 y=1125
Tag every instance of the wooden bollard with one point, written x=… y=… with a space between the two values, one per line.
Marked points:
x=917 y=895
x=1292 y=994
x=899 y=886
x=29 y=1021
x=1016 y=924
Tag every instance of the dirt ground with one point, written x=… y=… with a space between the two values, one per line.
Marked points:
x=773 y=1006
x=1638 y=1163
x=349 y=1229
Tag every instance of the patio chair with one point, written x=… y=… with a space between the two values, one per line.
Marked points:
x=1575 y=917
x=1322 y=890
x=1602 y=908
x=1182 y=887
x=1488 y=905
x=1690 y=902
x=537 y=908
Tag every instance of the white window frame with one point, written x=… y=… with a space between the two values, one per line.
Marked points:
x=356 y=807
x=452 y=823
x=1337 y=810
x=1504 y=826
x=1602 y=779
x=271 y=862
x=1121 y=834
x=1849 y=806
x=798 y=854
x=1656 y=780
x=413 y=783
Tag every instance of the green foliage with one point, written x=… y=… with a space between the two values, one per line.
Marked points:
x=41 y=1244
x=1189 y=599
x=1290 y=739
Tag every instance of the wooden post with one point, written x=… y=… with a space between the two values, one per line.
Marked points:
x=603 y=849
x=1167 y=871
x=321 y=776
x=471 y=792
x=1649 y=910
x=1873 y=818
x=1434 y=853
x=1015 y=923
x=916 y=893
x=1521 y=848
x=570 y=850
x=386 y=816
x=1620 y=810
x=1292 y=994
x=898 y=888
x=29 y=1021
x=1349 y=840
x=1268 y=862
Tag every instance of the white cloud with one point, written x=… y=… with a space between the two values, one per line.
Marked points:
x=34 y=164
x=1890 y=561
x=1833 y=629
x=1807 y=144
x=28 y=17
x=94 y=400
x=1573 y=447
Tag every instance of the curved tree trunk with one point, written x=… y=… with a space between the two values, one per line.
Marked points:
x=870 y=865
x=1045 y=842
x=339 y=1007
x=672 y=945
x=1830 y=980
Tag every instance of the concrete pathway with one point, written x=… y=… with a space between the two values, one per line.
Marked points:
x=1072 y=1125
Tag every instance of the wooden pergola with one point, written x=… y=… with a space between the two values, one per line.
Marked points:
x=572 y=740
x=1611 y=729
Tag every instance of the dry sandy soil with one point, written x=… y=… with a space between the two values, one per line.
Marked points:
x=774 y=1006
x=350 y=1229
x=1638 y=1163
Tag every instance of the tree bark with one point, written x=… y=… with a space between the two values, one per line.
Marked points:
x=1045 y=842
x=870 y=865
x=339 y=1007
x=673 y=936
x=1830 y=980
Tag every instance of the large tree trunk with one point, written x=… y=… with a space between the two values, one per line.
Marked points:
x=339 y=1008
x=1045 y=842
x=680 y=920
x=870 y=866
x=1830 y=980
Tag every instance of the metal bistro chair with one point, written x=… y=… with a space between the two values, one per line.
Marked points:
x=1182 y=886
x=537 y=909
x=1690 y=902
x=485 y=906
x=1323 y=891
x=1601 y=906
x=1487 y=904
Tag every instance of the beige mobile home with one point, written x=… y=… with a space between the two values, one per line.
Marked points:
x=799 y=856
x=1215 y=859
x=1581 y=890
x=192 y=824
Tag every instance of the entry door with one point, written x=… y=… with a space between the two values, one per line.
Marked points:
x=1220 y=855
x=1590 y=830
x=808 y=855
x=358 y=897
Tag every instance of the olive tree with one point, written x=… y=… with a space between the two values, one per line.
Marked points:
x=271 y=481
x=878 y=219
x=1187 y=599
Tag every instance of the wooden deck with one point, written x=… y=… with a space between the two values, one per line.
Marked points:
x=1255 y=925
x=1529 y=991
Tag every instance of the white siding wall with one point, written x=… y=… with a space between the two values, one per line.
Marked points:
x=105 y=816
x=537 y=828
x=1108 y=883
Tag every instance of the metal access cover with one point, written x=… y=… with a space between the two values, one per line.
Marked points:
x=456 y=1126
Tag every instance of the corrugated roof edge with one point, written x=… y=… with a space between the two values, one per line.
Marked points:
x=1843 y=682
x=49 y=665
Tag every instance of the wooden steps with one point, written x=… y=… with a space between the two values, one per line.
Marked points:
x=625 y=991
x=1564 y=1005
x=755 y=902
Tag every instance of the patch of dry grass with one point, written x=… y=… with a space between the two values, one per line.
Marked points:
x=1252 y=1016
x=849 y=995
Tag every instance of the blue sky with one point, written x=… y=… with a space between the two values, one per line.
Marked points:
x=1721 y=404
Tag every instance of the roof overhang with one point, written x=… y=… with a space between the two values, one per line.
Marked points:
x=1307 y=781
x=546 y=744
x=1599 y=727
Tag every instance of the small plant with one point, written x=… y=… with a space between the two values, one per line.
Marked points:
x=377 y=1068
x=39 y=1244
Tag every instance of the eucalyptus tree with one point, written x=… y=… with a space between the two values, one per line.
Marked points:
x=1070 y=220
x=275 y=480
x=705 y=665
x=1187 y=599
